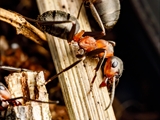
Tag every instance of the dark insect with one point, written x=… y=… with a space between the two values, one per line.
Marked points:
x=63 y=25
x=105 y=12
x=58 y=23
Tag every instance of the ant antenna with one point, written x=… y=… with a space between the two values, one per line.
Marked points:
x=112 y=94
x=10 y=68
x=33 y=100
x=80 y=9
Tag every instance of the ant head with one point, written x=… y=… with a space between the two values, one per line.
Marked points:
x=113 y=67
x=118 y=65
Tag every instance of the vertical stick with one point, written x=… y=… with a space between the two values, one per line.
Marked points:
x=75 y=83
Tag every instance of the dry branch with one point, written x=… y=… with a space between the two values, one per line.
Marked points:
x=22 y=26
x=75 y=83
x=29 y=85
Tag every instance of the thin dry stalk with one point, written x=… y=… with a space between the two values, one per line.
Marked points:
x=75 y=83
x=22 y=26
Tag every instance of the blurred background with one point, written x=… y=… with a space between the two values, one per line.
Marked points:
x=137 y=37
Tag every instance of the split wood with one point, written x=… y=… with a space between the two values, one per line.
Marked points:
x=28 y=84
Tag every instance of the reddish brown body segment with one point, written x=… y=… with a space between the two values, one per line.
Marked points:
x=112 y=68
x=88 y=44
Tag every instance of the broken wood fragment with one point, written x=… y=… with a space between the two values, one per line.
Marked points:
x=29 y=85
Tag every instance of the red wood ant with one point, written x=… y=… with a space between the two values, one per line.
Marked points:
x=90 y=47
x=60 y=24
x=113 y=67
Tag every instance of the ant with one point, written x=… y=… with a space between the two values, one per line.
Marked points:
x=88 y=45
x=113 y=67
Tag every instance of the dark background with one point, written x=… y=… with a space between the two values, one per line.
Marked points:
x=139 y=86
x=138 y=89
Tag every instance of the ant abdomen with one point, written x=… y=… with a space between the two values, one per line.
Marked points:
x=61 y=30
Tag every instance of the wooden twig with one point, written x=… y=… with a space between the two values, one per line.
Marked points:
x=75 y=83
x=22 y=26
x=29 y=85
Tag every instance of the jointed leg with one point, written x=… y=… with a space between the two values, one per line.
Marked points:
x=97 y=51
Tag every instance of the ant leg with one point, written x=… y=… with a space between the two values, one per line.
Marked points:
x=80 y=9
x=112 y=93
x=13 y=101
x=67 y=68
x=9 y=68
x=95 y=14
x=97 y=17
x=78 y=36
x=72 y=32
x=96 y=34
x=46 y=22
x=97 y=51
x=51 y=102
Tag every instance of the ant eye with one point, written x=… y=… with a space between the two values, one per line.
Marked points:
x=114 y=64
x=2 y=87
